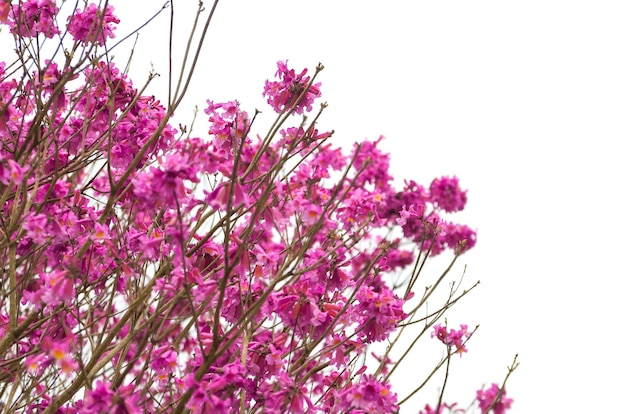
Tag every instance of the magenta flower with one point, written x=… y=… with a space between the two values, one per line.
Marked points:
x=412 y=212
x=459 y=237
x=101 y=232
x=380 y=312
x=281 y=395
x=59 y=351
x=5 y=8
x=99 y=399
x=487 y=397
x=228 y=125
x=218 y=198
x=447 y=195
x=285 y=94
x=11 y=171
x=368 y=396
x=34 y=17
x=58 y=287
x=103 y=399
x=36 y=227
x=164 y=361
x=92 y=25
x=456 y=338
x=35 y=364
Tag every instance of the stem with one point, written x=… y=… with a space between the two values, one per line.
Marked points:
x=13 y=313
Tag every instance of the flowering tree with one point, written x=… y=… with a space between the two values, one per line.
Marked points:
x=146 y=270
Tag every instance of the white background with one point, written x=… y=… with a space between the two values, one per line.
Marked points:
x=523 y=101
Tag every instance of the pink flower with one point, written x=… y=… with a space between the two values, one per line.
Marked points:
x=35 y=226
x=228 y=125
x=411 y=212
x=285 y=94
x=99 y=399
x=59 y=351
x=49 y=80
x=101 y=232
x=281 y=395
x=5 y=7
x=126 y=401
x=446 y=194
x=373 y=164
x=379 y=311
x=456 y=338
x=164 y=360
x=59 y=288
x=218 y=198
x=298 y=308
x=92 y=25
x=487 y=397
x=34 y=17
x=11 y=171
x=459 y=237
x=34 y=364
x=103 y=399
x=311 y=213
x=368 y=395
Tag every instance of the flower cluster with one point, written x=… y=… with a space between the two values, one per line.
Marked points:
x=291 y=91
x=419 y=212
x=447 y=195
x=452 y=337
x=33 y=17
x=93 y=25
x=30 y=18
x=150 y=271
x=368 y=396
x=493 y=399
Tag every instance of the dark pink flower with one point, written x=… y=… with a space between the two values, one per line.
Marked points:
x=11 y=171
x=92 y=25
x=34 y=17
x=379 y=312
x=446 y=194
x=98 y=400
x=5 y=8
x=218 y=198
x=487 y=397
x=453 y=337
x=287 y=92
x=459 y=237
x=59 y=351
x=368 y=396
x=59 y=287
x=36 y=227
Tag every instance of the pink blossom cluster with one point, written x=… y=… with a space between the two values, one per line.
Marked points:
x=489 y=400
x=5 y=8
x=291 y=90
x=152 y=272
x=93 y=25
x=30 y=18
x=33 y=17
x=447 y=195
x=421 y=220
x=453 y=338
